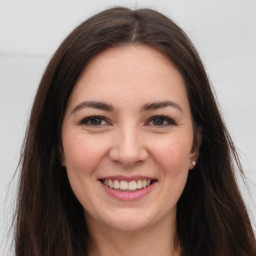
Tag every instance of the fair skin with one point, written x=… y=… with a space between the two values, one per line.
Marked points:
x=128 y=124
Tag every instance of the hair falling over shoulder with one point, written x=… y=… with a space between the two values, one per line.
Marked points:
x=211 y=216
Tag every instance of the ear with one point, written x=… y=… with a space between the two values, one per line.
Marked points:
x=195 y=148
x=61 y=155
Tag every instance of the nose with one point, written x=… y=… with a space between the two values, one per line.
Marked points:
x=128 y=148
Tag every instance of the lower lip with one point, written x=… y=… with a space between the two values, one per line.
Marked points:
x=128 y=196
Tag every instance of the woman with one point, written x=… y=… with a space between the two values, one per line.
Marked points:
x=126 y=152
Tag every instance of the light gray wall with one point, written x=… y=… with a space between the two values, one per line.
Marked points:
x=224 y=32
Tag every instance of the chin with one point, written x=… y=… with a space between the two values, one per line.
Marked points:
x=129 y=220
x=128 y=224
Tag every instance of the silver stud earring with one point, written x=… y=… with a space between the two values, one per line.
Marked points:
x=194 y=163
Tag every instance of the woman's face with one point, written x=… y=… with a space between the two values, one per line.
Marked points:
x=127 y=138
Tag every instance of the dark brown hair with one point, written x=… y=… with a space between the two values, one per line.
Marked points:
x=211 y=216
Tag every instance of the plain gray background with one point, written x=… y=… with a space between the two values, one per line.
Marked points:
x=223 y=31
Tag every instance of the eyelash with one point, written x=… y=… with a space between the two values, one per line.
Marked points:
x=168 y=121
x=88 y=120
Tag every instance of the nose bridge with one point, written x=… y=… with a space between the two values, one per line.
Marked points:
x=129 y=142
x=128 y=147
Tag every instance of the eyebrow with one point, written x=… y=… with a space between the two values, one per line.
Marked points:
x=161 y=104
x=93 y=104
x=108 y=107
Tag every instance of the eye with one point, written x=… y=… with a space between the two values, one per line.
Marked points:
x=94 y=121
x=160 y=121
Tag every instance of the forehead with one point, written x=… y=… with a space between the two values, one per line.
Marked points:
x=129 y=72
x=129 y=59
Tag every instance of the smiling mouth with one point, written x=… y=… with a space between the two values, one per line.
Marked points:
x=127 y=186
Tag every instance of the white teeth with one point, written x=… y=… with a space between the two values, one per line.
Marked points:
x=116 y=184
x=139 y=184
x=110 y=184
x=132 y=185
x=124 y=185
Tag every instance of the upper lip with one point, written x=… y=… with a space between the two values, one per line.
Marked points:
x=127 y=178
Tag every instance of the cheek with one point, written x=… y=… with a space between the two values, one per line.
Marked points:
x=173 y=158
x=174 y=154
x=82 y=155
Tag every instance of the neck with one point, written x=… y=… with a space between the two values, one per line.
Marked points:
x=158 y=239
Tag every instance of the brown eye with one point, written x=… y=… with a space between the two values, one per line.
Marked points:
x=161 y=121
x=158 y=121
x=94 y=121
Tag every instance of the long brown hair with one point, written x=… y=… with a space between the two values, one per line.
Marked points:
x=211 y=215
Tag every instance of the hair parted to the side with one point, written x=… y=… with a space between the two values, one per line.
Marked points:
x=211 y=216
